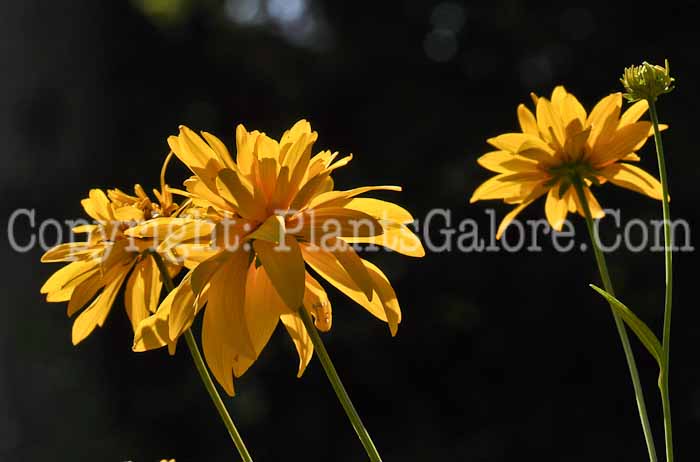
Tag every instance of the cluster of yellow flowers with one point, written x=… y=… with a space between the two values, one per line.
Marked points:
x=250 y=234
x=279 y=214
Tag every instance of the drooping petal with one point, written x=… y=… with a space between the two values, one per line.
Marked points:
x=387 y=296
x=86 y=290
x=152 y=332
x=96 y=313
x=327 y=266
x=142 y=292
x=593 y=205
x=555 y=209
x=634 y=178
x=317 y=303
x=348 y=259
x=302 y=342
x=263 y=307
x=536 y=193
x=285 y=267
x=225 y=337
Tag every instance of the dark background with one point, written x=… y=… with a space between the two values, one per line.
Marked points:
x=500 y=356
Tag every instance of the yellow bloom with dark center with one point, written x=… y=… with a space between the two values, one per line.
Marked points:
x=99 y=266
x=277 y=212
x=560 y=144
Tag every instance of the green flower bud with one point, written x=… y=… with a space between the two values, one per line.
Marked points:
x=647 y=81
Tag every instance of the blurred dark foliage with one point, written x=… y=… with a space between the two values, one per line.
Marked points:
x=500 y=356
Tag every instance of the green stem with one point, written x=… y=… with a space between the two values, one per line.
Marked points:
x=338 y=387
x=204 y=373
x=621 y=330
x=668 y=258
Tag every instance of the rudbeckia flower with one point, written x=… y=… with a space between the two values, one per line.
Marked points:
x=277 y=214
x=561 y=143
x=99 y=266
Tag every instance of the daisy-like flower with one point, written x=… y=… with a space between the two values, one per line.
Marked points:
x=277 y=212
x=99 y=266
x=560 y=144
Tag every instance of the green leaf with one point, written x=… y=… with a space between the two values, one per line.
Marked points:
x=641 y=330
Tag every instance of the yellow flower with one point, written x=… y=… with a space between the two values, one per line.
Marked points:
x=99 y=265
x=560 y=144
x=278 y=212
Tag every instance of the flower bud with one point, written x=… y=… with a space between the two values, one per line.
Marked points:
x=646 y=82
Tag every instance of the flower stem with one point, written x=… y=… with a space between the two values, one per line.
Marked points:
x=203 y=373
x=621 y=330
x=339 y=388
x=668 y=258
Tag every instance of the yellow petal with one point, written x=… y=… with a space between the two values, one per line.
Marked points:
x=307 y=192
x=604 y=118
x=156 y=228
x=271 y=230
x=152 y=332
x=263 y=307
x=96 y=313
x=507 y=185
x=634 y=178
x=504 y=161
x=70 y=251
x=285 y=267
x=381 y=210
x=219 y=148
x=244 y=148
x=528 y=123
x=386 y=294
x=203 y=196
x=328 y=222
x=333 y=198
x=633 y=113
x=396 y=237
x=86 y=290
x=317 y=303
x=70 y=275
x=348 y=259
x=128 y=213
x=511 y=142
x=327 y=266
x=142 y=292
x=536 y=193
x=225 y=337
x=549 y=121
x=555 y=209
x=593 y=205
x=97 y=205
x=302 y=342
x=621 y=143
x=248 y=205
